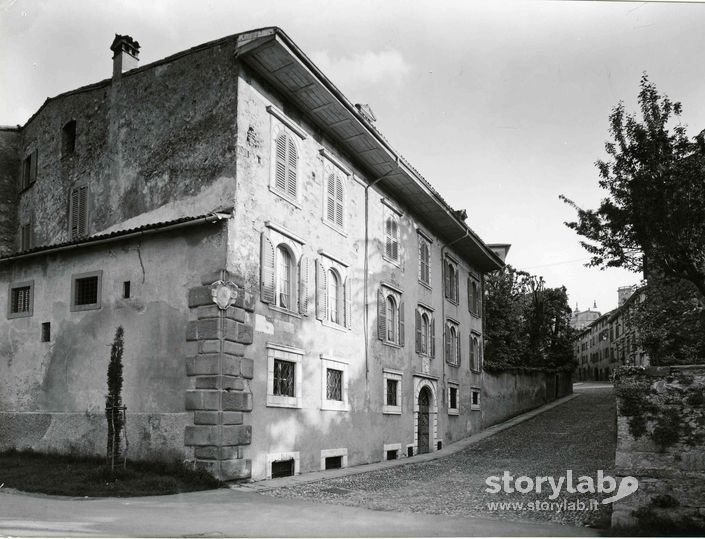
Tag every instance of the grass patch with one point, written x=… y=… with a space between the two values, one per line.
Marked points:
x=68 y=475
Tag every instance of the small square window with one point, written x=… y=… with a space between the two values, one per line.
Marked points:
x=21 y=300
x=332 y=459
x=86 y=291
x=393 y=454
x=333 y=463
x=46 y=331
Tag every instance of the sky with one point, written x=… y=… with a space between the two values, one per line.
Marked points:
x=501 y=105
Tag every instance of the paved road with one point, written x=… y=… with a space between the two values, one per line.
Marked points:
x=241 y=513
x=578 y=435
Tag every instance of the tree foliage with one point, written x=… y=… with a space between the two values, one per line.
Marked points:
x=114 y=409
x=671 y=322
x=654 y=212
x=527 y=324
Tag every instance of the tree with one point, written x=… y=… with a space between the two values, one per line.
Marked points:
x=654 y=213
x=114 y=409
x=671 y=322
x=527 y=324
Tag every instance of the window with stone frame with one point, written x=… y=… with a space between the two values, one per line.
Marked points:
x=475 y=398
x=333 y=292
x=286 y=162
x=391 y=403
x=453 y=406
x=21 y=299
x=424 y=260
x=86 y=291
x=335 y=200
x=451 y=280
x=286 y=280
x=452 y=343
x=334 y=383
x=284 y=376
x=475 y=342
x=390 y=316
x=391 y=235
x=474 y=296
x=425 y=326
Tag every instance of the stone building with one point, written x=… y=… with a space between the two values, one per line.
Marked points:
x=580 y=319
x=295 y=296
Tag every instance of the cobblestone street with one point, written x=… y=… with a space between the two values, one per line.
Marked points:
x=578 y=435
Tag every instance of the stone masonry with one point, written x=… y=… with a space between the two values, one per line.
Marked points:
x=220 y=375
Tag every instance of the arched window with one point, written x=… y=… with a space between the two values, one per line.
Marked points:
x=453 y=356
x=451 y=284
x=283 y=273
x=424 y=261
x=392 y=319
x=334 y=297
x=286 y=163
x=425 y=325
x=334 y=208
x=474 y=354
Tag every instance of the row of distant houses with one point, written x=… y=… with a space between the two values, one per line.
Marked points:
x=606 y=341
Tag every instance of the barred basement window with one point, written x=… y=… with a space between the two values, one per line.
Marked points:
x=282 y=468
x=393 y=454
x=333 y=463
x=284 y=378
x=334 y=386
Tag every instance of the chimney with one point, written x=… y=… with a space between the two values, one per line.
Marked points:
x=366 y=112
x=126 y=53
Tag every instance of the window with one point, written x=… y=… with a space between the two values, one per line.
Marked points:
x=424 y=260
x=285 y=168
x=451 y=281
x=284 y=283
x=283 y=297
x=392 y=392
x=391 y=451
x=68 y=139
x=334 y=200
x=334 y=292
x=78 y=212
x=452 y=337
x=28 y=174
x=282 y=464
x=453 y=408
x=474 y=296
x=21 y=300
x=46 y=331
x=425 y=332
x=283 y=468
x=126 y=289
x=86 y=291
x=475 y=398
x=334 y=380
x=392 y=454
x=391 y=236
x=284 y=376
x=390 y=316
x=332 y=459
x=26 y=239
x=475 y=353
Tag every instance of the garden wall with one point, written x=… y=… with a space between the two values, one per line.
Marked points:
x=660 y=441
x=508 y=394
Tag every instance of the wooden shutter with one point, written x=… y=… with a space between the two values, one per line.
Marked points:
x=292 y=161
x=472 y=352
x=447 y=341
x=458 y=355
x=348 y=302
x=417 y=321
x=73 y=213
x=446 y=279
x=401 y=323
x=321 y=291
x=470 y=307
x=83 y=210
x=457 y=284
x=432 y=338
x=381 y=315
x=304 y=283
x=330 y=208
x=33 y=168
x=480 y=298
x=338 y=202
x=280 y=172
x=267 y=270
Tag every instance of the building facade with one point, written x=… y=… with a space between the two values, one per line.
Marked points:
x=285 y=279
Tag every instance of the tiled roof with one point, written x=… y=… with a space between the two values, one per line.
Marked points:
x=97 y=238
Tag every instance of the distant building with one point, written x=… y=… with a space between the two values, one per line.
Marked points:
x=581 y=319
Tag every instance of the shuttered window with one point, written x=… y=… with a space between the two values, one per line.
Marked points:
x=451 y=281
x=452 y=344
x=390 y=318
x=28 y=174
x=334 y=200
x=334 y=297
x=283 y=279
x=285 y=173
x=26 y=237
x=424 y=261
x=391 y=237
x=78 y=212
x=425 y=332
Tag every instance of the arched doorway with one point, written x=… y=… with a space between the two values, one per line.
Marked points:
x=424 y=423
